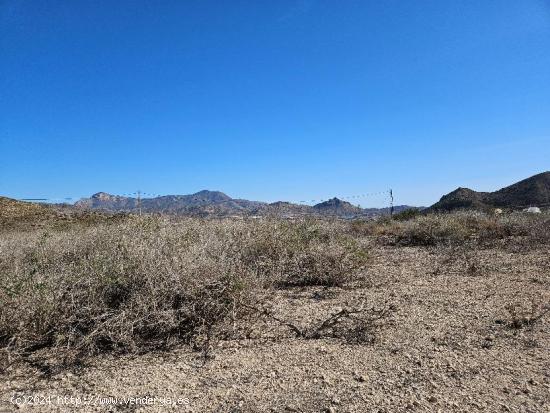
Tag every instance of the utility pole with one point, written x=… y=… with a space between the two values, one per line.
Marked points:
x=391 y=203
x=139 y=201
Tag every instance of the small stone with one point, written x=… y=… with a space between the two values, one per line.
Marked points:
x=362 y=378
x=432 y=399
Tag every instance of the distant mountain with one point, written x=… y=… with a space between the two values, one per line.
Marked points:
x=215 y=203
x=336 y=206
x=284 y=209
x=533 y=191
x=107 y=202
x=200 y=203
x=461 y=198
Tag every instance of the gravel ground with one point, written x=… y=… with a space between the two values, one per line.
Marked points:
x=446 y=344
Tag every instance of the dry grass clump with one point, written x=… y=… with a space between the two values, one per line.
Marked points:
x=148 y=283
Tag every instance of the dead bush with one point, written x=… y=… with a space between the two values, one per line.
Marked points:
x=355 y=325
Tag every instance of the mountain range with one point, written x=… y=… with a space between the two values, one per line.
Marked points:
x=533 y=191
x=215 y=203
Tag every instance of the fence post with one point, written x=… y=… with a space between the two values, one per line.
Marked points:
x=391 y=203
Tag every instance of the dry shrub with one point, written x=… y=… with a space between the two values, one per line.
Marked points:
x=407 y=214
x=147 y=283
x=536 y=228
x=433 y=230
x=305 y=253
x=424 y=230
x=461 y=260
x=526 y=314
x=363 y=327
x=135 y=286
x=457 y=228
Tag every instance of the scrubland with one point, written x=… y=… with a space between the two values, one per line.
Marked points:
x=417 y=313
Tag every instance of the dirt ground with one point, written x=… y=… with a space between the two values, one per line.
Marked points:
x=447 y=343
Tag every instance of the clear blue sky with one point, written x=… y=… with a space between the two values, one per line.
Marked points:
x=272 y=100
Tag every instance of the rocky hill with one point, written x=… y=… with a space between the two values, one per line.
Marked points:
x=533 y=191
x=336 y=206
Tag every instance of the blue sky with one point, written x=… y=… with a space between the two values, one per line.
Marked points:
x=272 y=100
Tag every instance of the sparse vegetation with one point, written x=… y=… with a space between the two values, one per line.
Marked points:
x=148 y=283
x=407 y=214
x=135 y=284
x=313 y=291
x=457 y=228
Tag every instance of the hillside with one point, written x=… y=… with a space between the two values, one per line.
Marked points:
x=13 y=212
x=19 y=215
x=528 y=192
x=533 y=191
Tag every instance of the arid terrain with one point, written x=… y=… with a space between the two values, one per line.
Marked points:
x=294 y=206
x=444 y=313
